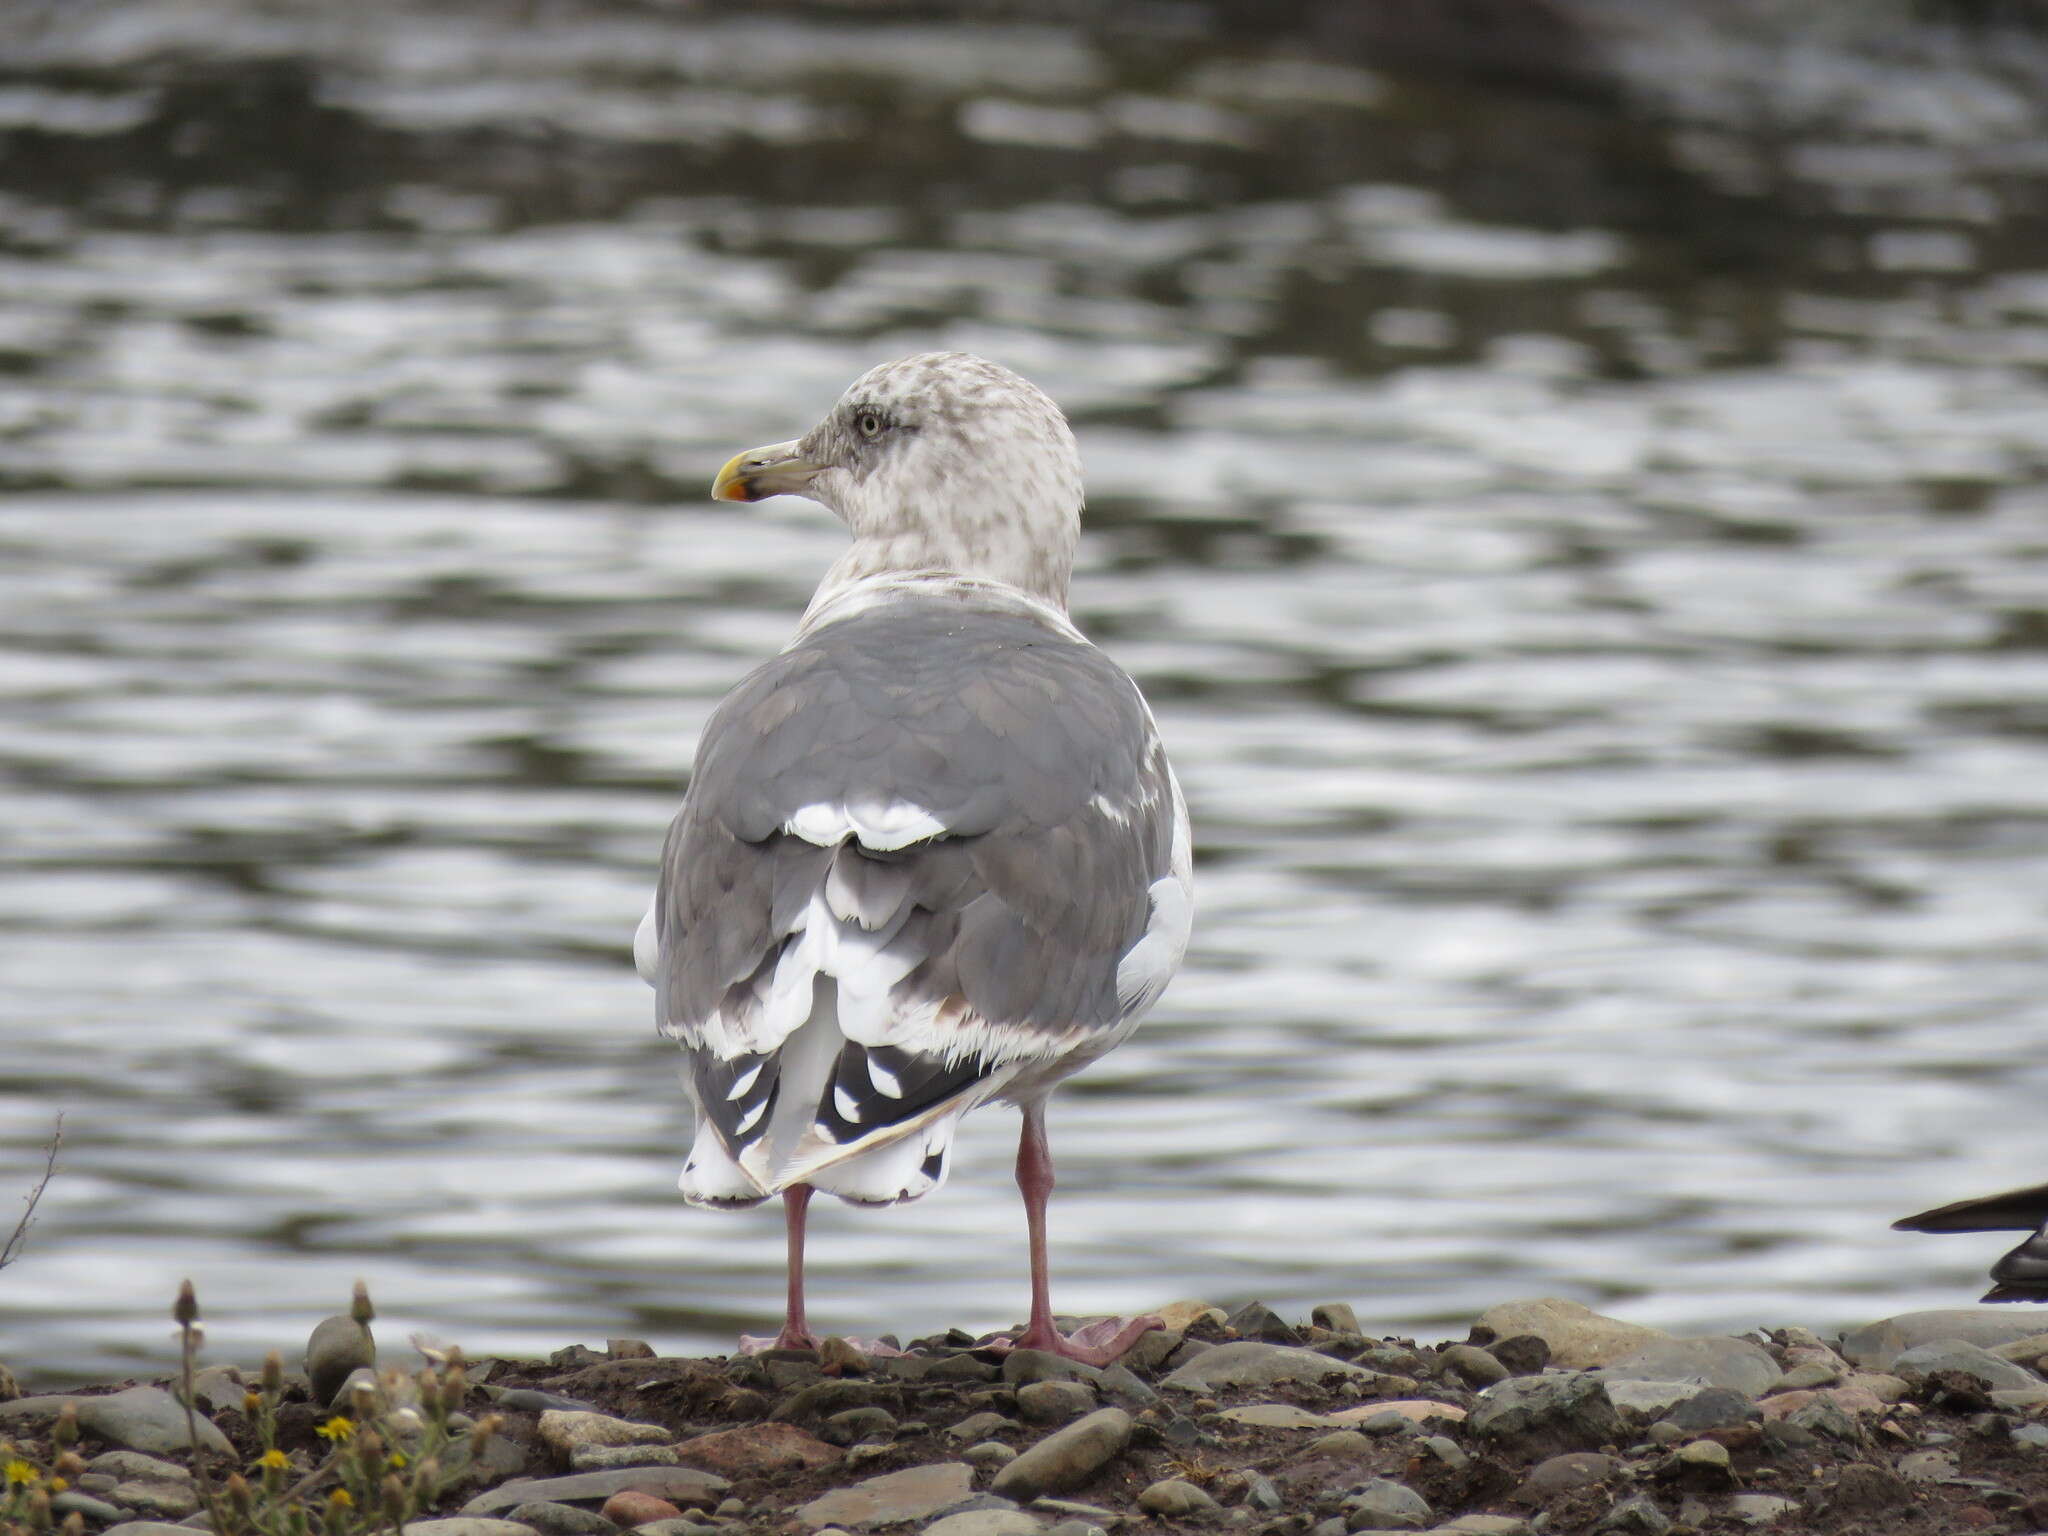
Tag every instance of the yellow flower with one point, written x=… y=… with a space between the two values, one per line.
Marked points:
x=18 y=1472
x=341 y=1498
x=58 y=1485
x=273 y=1458
x=398 y=1461
x=336 y=1428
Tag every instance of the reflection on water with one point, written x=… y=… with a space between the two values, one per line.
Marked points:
x=1584 y=538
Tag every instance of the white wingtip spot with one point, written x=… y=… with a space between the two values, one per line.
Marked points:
x=743 y=1082
x=847 y=1105
x=885 y=1080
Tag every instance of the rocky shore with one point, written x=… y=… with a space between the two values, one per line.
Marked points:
x=1549 y=1418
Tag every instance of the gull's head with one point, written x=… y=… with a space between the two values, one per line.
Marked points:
x=943 y=461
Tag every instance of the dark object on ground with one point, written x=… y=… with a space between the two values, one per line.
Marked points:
x=2021 y=1275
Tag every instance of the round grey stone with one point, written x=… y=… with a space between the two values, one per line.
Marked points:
x=1175 y=1499
x=337 y=1348
x=1715 y=1408
x=1054 y=1402
x=1067 y=1457
x=1472 y=1365
x=1384 y=1505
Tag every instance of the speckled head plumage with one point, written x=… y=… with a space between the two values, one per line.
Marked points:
x=939 y=462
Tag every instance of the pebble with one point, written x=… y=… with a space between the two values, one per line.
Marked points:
x=1804 y=1377
x=1347 y=1443
x=1577 y=1335
x=1711 y=1454
x=454 y=1525
x=1075 y=1510
x=2027 y=1351
x=679 y=1485
x=1923 y=1360
x=98 y=1511
x=1522 y=1354
x=1126 y=1389
x=1472 y=1365
x=1927 y=1466
x=1640 y=1402
x=1635 y=1516
x=841 y=1357
x=160 y=1528
x=1022 y=1367
x=1863 y=1489
x=145 y=1419
x=1560 y=1474
x=752 y=1449
x=1256 y=1320
x=2032 y=1436
x=133 y=1466
x=628 y=1349
x=1825 y=1417
x=1447 y=1451
x=962 y=1368
x=1175 y=1499
x=1336 y=1316
x=603 y=1458
x=529 y=1400
x=852 y=1425
x=157 y=1499
x=988 y=1454
x=1260 y=1494
x=552 y=1519
x=915 y=1493
x=1054 y=1402
x=1760 y=1508
x=683 y=1527
x=986 y=1522
x=1485 y=1525
x=1248 y=1363
x=1565 y=1412
x=566 y=1431
x=1180 y=1316
x=979 y=1426
x=336 y=1350
x=1389 y=1506
x=1152 y=1349
x=218 y=1387
x=1714 y=1408
x=1066 y=1458
x=628 y=1508
x=1734 y=1363
x=1878 y=1344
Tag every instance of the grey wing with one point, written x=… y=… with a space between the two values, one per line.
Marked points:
x=966 y=822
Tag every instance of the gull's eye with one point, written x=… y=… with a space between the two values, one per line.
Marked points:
x=871 y=426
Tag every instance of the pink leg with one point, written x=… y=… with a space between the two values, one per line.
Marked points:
x=796 y=1200
x=1099 y=1343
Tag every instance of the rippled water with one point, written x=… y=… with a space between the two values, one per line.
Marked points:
x=1587 y=547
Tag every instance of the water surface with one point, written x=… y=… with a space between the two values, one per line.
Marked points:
x=1587 y=546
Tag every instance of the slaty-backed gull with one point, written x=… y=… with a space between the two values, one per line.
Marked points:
x=932 y=855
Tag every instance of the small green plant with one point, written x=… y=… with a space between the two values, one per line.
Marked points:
x=27 y=1486
x=400 y=1446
